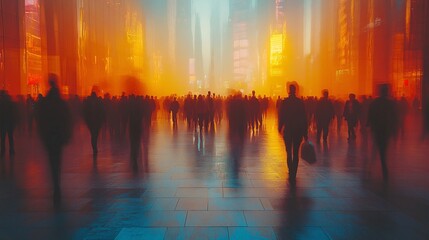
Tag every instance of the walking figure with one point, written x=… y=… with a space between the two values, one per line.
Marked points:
x=324 y=114
x=94 y=116
x=292 y=120
x=174 y=109
x=8 y=119
x=383 y=122
x=351 y=114
x=54 y=124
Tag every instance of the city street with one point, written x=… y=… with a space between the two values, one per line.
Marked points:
x=187 y=187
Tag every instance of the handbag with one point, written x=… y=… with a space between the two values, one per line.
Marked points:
x=308 y=153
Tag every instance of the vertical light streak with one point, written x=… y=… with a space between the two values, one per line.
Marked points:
x=307 y=27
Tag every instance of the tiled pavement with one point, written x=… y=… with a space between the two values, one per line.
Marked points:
x=186 y=189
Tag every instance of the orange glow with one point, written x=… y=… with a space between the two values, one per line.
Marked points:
x=343 y=45
x=276 y=55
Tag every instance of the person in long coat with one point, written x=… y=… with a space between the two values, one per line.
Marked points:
x=292 y=124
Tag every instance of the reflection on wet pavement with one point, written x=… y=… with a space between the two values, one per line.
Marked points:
x=188 y=187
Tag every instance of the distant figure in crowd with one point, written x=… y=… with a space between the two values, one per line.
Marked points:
x=135 y=116
x=94 y=116
x=254 y=108
x=324 y=114
x=426 y=119
x=351 y=114
x=210 y=111
x=8 y=120
x=30 y=105
x=383 y=122
x=174 y=109
x=403 y=109
x=188 y=109
x=339 y=111
x=200 y=111
x=236 y=112
x=54 y=124
x=293 y=126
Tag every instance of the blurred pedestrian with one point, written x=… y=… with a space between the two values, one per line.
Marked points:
x=383 y=122
x=351 y=115
x=94 y=115
x=8 y=121
x=54 y=124
x=293 y=127
x=324 y=114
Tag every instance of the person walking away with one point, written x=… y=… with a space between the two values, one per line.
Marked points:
x=383 y=122
x=174 y=109
x=324 y=114
x=54 y=124
x=292 y=124
x=8 y=121
x=351 y=115
x=94 y=115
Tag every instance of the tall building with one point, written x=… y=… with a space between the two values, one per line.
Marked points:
x=425 y=78
x=33 y=48
x=184 y=45
x=216 y=51
x=111 y=44
x=240 y=11
x=11 y=44
x=327 y=76
x=414 y=47
x=277 y=71
x=35 y=41
x=295 y=34
x=264 y=11
x=347 y=33
x=59 y=30
x=198 y=55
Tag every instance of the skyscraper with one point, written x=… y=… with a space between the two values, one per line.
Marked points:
x=240 y=11
x=199 y=66
x=184 y=43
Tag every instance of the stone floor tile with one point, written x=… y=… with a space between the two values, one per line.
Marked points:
x=148 y=219
x=244 y=233
x=141 y=234
x=303 y=233
x=192 y=204
x=235 y=204
x=215 y=219
x=160 y=192
x=199 y=192
x=197 y=233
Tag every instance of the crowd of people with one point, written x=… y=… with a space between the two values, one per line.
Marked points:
x=132 y=116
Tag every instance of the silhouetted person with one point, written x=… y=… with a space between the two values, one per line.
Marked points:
x=237 y=129
x=210 y=111
x=403 y=108
x=123 y=114
x=8 y=119
x=383 y=121
x=54 y=124
x=416 y=105
x=293 y=126
x=188 y=109
x=339 y=111
x=30 y=105
x=174 y=109
x=425 y=118
x=200 y=110
x=94 y=116
x=218 y=109
x=254 y=111
x=324 y=114
x=351 y=114
x=136 y=114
